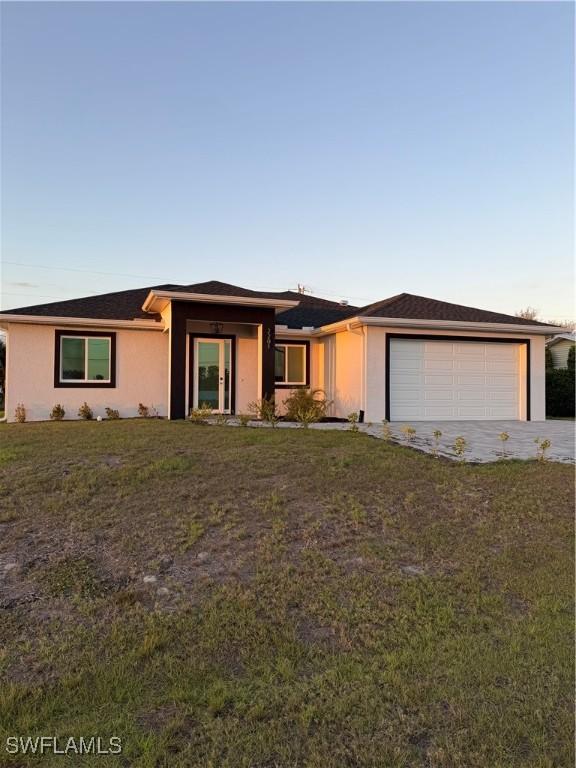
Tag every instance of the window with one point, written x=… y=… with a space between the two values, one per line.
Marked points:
x=84 y=359
x=291 y=364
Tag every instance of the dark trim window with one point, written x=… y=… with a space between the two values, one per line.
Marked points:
x=291 y=363
x=85 y=359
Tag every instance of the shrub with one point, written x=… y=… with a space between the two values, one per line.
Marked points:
x=201 y=414
x=504 y=437
x=571 y=358
x=20 y=413
x=353 y=421
x=112 y=413
x=560 y=400
x=85 y=412
x=306 y=406
x=265 y=410
x=459 y=447
x=542 y=447
x=57 y=413
x=408 y=432
x=221 y=419
x=549 y=359
x=244 y=419
x=153 y=412
x=437 y=435
x=386 y=430
x=143 y=411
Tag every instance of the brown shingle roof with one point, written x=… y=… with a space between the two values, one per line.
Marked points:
x=411 y=307
x=311 y=311
x=127 y=305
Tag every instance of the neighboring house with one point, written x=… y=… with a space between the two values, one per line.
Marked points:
x=176 y=347
x=559 y=347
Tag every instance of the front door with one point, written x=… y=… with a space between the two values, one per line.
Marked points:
x=212 y=374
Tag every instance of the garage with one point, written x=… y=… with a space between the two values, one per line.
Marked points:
x=437 y=379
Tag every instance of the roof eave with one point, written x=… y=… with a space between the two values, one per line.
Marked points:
x=156 y=301
x=462 y=325
x=141 y=324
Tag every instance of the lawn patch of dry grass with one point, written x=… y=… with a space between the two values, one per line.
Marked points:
x=236 y=597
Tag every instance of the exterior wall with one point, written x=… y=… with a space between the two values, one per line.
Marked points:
x=559 y=352
x=247 y=390
x=348 y=376
x=141 y=368
x=376 y=368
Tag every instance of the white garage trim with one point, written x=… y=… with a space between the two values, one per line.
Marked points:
x=457 y=377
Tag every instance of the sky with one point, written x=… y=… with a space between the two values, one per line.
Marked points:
x=359 y=149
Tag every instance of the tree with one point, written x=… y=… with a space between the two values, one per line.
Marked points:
x=571 y=354
x=528 y=314
x=549 y=360
x=2 y=370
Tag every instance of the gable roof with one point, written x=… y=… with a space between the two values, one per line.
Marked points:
x=562 y=337
x=411 y=307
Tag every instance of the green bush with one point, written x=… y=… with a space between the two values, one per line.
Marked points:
x=57 y=413
x=306 y=406
x=571 y=354
x=560 y=398
x=265 y=410
x=85 y=412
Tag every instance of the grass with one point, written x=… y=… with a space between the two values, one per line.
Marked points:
x=314 y=599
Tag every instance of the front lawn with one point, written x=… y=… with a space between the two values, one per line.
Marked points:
x=220 y=596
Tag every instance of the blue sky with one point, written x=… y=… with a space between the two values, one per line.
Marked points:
x=360 y=149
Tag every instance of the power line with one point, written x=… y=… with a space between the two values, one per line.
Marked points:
x=86 y=271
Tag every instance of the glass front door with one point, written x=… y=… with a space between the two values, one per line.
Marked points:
x=212 y=374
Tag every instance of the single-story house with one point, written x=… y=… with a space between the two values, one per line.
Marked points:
x=559 y=347
x=175 y=347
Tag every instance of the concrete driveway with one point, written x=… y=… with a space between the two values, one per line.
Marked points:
x=483 y=443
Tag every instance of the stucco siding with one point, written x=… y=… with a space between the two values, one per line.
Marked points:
x=348 y=381
x=141 y=374
x=559 y=352
x=246 y=374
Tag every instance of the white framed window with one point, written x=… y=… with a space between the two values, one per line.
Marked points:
x=290 y=366
x=85 y=359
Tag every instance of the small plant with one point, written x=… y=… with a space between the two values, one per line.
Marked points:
x=408 y=432
x=306 y=406
x=244 y=419
x=386 y=430
x=143 y=411
x=112 y=413
x=200 y=415
x=542 y=447
x=57 y=413
x=20 y=413
x=85 y=412
x=265 y=410
x=153 y=412
x=437 y=435
x=459 y=447
x=353 y=421
x=504 y=437
x=221 y=419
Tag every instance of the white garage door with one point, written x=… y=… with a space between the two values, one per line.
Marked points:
x=431 y=380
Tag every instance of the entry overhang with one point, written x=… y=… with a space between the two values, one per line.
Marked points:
x=158 y=300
